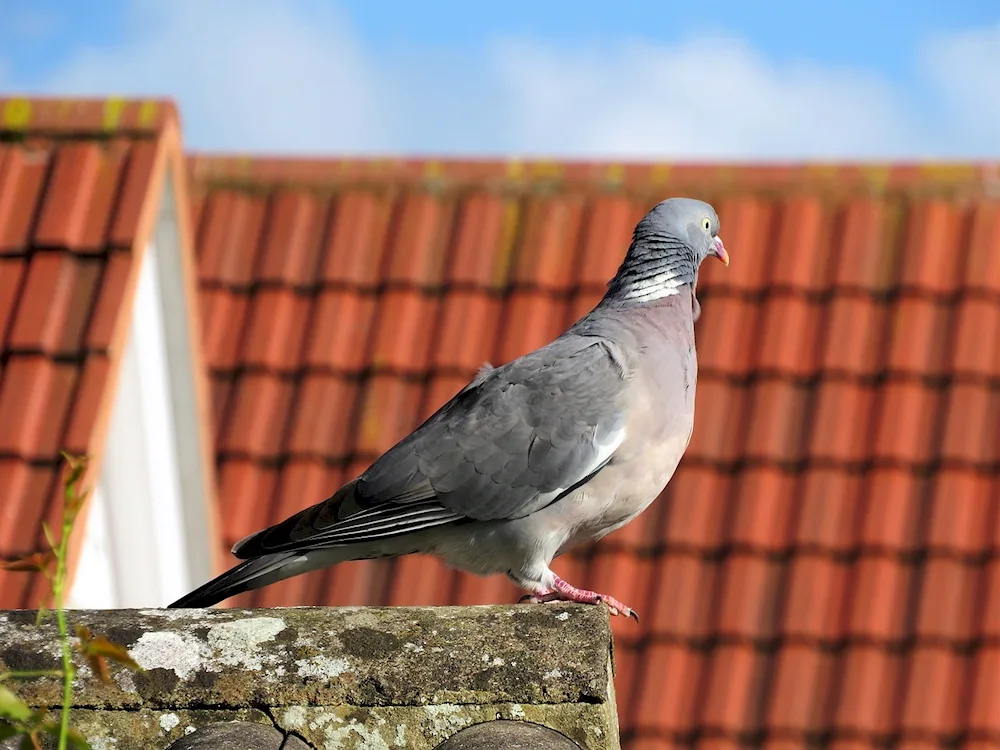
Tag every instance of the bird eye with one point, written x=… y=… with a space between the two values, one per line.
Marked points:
x=706 y=224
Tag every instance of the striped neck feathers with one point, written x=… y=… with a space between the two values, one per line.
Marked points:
x=654 y=268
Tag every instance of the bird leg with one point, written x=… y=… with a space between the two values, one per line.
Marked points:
x=566 y=592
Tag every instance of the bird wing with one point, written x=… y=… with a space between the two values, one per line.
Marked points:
x=514 y=440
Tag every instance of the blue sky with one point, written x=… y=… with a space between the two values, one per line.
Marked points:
x=583 y=77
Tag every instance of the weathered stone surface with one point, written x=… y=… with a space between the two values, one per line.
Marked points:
x=510 y=735
x=238 y=735
x=391 y=656
x=591 y=726
x=340 y=678
x=147 y=729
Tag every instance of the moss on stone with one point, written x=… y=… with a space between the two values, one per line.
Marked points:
x=341 y=677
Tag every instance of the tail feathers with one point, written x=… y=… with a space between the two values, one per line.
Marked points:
x=247 y=576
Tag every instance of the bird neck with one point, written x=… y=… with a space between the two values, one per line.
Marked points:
x=654 y=268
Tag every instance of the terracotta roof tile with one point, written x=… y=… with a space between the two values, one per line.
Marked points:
x=229 y=237
x=982 y=267
x=418 y=249
x=276 y=323
x=984 y=719
x=749 y=597
x=831 y=501
x=790 y=333
x=58 y=294
x=801 y=256
x=975 y=320
x=947 y=609
x=133 y=196
x=403 y=331
x=420 y=580
x=733 y=689
x=727 y=336
x=223 y=313
x=804 y=681
x=257 y=416
x=841 y=423
x=35 y=398
x=764 y=509
x=21 y=189
x=868 y=685
x=292 y=246
x=12 y=272
x=892 y=525
x=935 y=695
x=356 y=239
x=816 y=585
x=549 y=244
x=246 y=488
x=480 y=222
x=74 y=208
x=906 y=427
x=700 y=503
x=88 y=402
x=609 y=225
x=531 y=319
x=777 y=422
x=682 y=607
x=808 y=576
x=918 y=337
x=324 y=429
x=106 y=320
x=78 y=181
x=389 y=410
x=970 y=425
x=854 y=336
x=747 y=222
x=342 y=329
x=961 y=529
x=865 y=259
x=668 y=705
x=719 y=419
x=468 y=329
x=881 y=595
x=934 y=249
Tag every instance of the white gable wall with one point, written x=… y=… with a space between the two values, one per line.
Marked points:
x=146 y=540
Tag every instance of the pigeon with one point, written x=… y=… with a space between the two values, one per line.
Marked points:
x=531 y=458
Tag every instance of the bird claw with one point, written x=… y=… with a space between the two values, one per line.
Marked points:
x=564 y=592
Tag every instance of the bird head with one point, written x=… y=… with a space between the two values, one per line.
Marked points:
x=693 y=223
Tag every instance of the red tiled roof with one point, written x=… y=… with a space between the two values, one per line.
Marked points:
x=823 y=569
x=80 y=183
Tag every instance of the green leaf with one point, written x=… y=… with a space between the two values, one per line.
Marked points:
x=77 y=740
x=7 y=731
x=48 y=535
x=13 y=707
x=96 y=648
x=39 y=562
x=74 y=738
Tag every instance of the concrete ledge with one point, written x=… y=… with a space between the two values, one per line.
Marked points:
x=334 y=677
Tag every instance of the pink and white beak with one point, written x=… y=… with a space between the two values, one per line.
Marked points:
x=720 y=251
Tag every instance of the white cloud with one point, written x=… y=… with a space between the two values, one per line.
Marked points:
x=293 y=77
x=704 y=98
x=248 y=74
x=965 y=67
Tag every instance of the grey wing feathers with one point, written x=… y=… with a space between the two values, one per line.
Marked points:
x=515 y=439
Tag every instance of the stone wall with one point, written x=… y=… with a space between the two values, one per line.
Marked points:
x=371 y=678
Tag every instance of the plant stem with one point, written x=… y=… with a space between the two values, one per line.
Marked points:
x=24 y=674
x=68 y=672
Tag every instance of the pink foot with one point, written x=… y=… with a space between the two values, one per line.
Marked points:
x=563 y=591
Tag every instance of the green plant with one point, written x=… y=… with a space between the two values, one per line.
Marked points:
x=17 y=718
